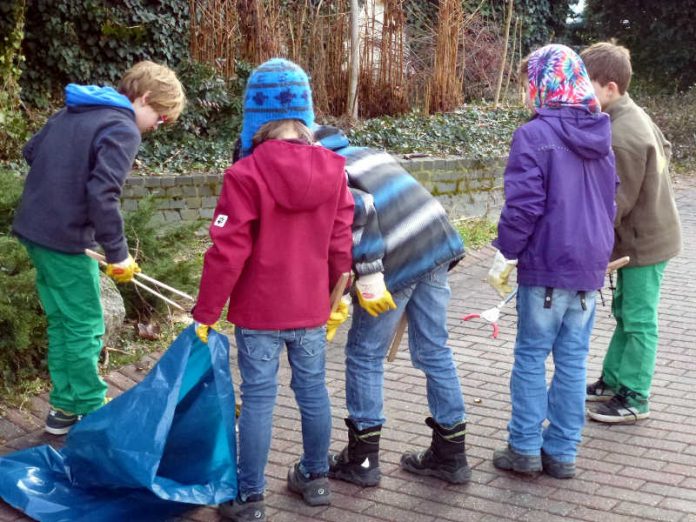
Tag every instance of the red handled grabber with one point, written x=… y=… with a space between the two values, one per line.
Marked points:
x=493 y=314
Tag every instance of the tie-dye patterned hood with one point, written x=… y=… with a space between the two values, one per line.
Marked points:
x=558 y=78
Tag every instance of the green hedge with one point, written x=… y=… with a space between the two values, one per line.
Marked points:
x=169 y=255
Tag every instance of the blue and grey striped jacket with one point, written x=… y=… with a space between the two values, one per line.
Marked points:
x=399 y=228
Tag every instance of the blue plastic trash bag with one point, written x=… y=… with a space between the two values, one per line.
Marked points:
x=151 y=453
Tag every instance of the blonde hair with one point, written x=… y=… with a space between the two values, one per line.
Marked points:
x=608 y=62
x=279 y=129
x=166 y=94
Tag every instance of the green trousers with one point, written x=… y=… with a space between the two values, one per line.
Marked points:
x=630 y=359
x=68 y=287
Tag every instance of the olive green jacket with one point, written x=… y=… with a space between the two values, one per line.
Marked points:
x=647 y=226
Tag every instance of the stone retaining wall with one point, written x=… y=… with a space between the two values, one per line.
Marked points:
x=465 y=187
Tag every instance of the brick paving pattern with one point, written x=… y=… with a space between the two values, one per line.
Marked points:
x=645 y=471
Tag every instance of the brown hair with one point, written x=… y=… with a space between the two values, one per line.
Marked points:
x=275 y=129
x=166 y=94
x=608 y=62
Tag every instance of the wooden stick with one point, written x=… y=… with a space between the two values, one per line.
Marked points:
x=618 y=263
x=337 y=291
x=99 y=257
x=398 y=334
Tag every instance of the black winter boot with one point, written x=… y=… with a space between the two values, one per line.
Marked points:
x=359 y=461
x=446 y=456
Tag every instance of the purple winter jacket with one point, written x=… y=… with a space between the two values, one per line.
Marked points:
x=560 y=187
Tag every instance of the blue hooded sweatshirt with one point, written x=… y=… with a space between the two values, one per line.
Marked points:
x=78 y=163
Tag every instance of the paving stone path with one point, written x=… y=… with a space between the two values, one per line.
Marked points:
x=645 y=471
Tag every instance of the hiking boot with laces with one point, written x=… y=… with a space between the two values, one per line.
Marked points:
x=556 y=468
x=250 y=510
x=446 y=456
x=59 y=422
x=626 y=406
x=314 y=488
x=598 y=391
x=509 y=460
x=358 y=463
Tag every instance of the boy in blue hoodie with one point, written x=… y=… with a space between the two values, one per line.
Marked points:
x=557 y=223
x=78 y=164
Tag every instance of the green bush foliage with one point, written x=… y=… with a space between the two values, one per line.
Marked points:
x=660 y=35
x=22 y=323
x=167 y=254
x=171 y=255
x=202 y=137
x=95 y=41
x=12 y=121
x=676 y=117
x=473 y=132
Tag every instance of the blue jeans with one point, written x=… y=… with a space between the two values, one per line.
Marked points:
x=563 y=330
x=425 y=305
x=258 y=353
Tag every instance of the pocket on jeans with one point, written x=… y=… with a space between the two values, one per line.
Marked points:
x=313 y=341
x=262 y=345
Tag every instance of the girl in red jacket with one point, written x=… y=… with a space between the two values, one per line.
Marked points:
x=281 y=237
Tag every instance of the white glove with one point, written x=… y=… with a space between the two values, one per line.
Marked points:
x=373 y=295
x=499 y=273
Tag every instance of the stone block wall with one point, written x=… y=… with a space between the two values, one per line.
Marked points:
x=466 y=188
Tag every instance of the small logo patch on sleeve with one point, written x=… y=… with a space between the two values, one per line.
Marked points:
x=220 y=220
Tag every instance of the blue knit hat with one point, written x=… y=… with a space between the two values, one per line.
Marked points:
x=277 y=90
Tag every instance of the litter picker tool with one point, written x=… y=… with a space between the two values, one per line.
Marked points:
x=102 y=261
x=493 y=314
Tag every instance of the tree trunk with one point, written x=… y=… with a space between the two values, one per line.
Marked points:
x=508 y=18
x=354 y=72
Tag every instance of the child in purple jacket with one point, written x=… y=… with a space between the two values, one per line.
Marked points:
x=557 y=226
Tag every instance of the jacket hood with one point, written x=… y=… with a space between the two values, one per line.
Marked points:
x=330 y=137
x=91 y=95
x=299 y=176
x=588 y=135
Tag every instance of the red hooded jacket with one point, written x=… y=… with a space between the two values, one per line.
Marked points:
x=281 y=239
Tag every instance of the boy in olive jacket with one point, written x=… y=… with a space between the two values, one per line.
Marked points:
x=647 y=229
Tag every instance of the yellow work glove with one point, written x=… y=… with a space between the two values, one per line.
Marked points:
x=337 y=318
x=373 y=295
x=202 y=330
x=124 y=271
x=499 y=274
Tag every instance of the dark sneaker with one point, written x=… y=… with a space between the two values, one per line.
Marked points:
x=250 y=510
x=625 y=406
x=313 y=488
x=598 y=392
x=509 y=460
x=59 y=422
x=555 y=468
